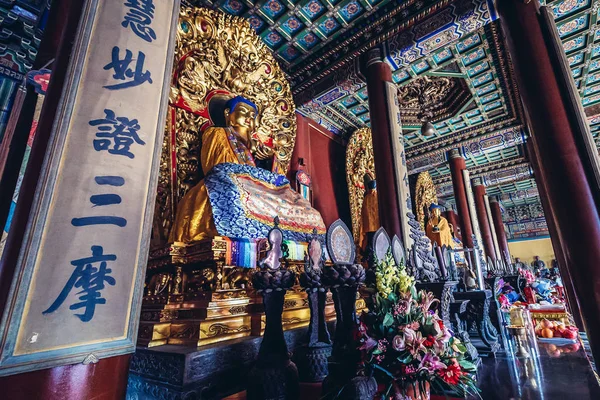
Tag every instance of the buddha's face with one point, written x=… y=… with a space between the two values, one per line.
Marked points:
x=436 y=212
x=242 y=119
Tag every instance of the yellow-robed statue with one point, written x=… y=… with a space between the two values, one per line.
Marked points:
x=236 y=198
x=369 y=216
x=438 y=228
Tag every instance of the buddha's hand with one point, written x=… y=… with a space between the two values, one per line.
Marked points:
x=263 y=152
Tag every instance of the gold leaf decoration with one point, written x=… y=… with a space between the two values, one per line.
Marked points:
x=359 y=162
x=425 y=195
x=218 y=51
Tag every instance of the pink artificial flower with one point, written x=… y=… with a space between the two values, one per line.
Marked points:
x=398 y=343
x=431 y=363
x=382 y=345
x=426 y=300
x=414 y=325
x=414 y=342
x=369 y=344
x=402 y=307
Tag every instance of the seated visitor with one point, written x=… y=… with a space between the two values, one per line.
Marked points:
x=236 y=198
x=519 y=264
x=539 y=267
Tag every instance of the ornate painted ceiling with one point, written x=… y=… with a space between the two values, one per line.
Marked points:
x=576 y=23
x=451 y=50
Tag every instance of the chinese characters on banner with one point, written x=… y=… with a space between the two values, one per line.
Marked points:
x=91 y=226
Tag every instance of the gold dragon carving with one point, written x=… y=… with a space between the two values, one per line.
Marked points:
x=359 y=162
x=425 y=195
x=217 y=53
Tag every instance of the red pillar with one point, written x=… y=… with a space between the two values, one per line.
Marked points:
x=556 y=136
x=106 y=379
x=378 y=73
x=565 y=274
x=482 y=217
x=500 y=232
x=457 y=166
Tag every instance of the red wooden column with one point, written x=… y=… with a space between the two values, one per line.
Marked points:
x=500 y=232
x=457 y=166
x=482 y=217
x=565 y=274
x=565 y=165
x=378 y=73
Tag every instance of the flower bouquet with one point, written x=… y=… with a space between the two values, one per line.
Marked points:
x=405 y=345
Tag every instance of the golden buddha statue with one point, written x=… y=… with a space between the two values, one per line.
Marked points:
x=236 y=198
x=438 y=228
x=369 y=215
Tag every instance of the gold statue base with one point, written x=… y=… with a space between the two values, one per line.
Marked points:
x=191 y=298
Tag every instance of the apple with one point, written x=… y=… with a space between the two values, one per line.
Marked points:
x=569 y=334
x=557 y=334
x=547 y=324
x=554 y=354
x=574 y=347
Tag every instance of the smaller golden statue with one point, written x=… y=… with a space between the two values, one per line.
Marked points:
x=438 y=228
x=369 y=215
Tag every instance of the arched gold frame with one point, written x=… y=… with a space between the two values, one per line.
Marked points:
x=359 y=162
x=217 y=55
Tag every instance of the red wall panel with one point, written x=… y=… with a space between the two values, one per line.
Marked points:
x=323 y=156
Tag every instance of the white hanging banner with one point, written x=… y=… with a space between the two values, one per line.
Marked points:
x=78 y=287
x=402 y=188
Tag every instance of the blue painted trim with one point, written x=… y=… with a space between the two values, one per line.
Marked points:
x=492 y=8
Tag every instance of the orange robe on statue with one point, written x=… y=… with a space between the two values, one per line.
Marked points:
x=263 y=201
x=442 y=236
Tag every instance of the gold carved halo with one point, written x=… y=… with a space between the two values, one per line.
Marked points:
x=217 y=51
x=359 y=161
x=425 y=195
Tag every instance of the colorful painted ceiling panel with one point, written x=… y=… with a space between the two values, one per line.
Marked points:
x=576 y=21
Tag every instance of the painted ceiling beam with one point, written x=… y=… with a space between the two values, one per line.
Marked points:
x=492 y=179
x=496 y=140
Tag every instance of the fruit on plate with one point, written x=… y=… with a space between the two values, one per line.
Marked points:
x=547 y=333
x=555 y=329
x=573 y=347
x=547 y=324
x=569 y=334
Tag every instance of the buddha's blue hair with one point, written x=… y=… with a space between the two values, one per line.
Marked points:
x=232 y=103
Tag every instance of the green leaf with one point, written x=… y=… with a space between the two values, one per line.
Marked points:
x=388 y=320
x=385 y=371
x=376 y=351
x=467 y=365
x=413 y=291
x=406 y=359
